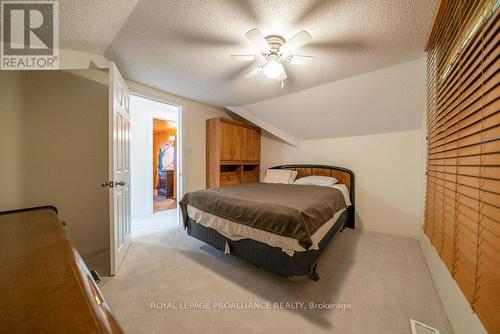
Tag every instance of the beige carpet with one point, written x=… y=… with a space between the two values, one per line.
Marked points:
x=384 y=279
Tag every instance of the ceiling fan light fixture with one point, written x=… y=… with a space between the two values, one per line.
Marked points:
x=273 y=52
x=273 y=69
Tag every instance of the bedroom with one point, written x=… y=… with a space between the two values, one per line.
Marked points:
x=336 y=167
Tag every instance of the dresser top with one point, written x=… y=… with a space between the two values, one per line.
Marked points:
x=45 y=286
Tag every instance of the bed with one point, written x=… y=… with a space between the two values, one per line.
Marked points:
x=281 y=228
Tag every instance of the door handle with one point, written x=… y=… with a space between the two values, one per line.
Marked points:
x=120 y=183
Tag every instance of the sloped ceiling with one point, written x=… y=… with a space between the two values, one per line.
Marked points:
x=183 y=46
x=387 y=100
x=91 y=25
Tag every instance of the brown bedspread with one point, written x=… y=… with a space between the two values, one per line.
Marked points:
x=295 y=211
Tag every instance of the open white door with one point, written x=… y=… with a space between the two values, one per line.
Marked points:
x=119 y=168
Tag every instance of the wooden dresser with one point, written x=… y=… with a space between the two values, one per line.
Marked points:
x=45 y=285
x=233 y=153
x=166 y=183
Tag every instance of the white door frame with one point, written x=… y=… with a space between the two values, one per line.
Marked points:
x=179 y=145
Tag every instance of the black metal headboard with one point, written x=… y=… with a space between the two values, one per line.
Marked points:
x=343 y=175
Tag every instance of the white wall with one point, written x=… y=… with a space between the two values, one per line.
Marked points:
x=387 y=169
x=138 y=160
x=142 y=112
x=54 y=150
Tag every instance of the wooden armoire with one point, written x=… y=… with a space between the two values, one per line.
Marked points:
x=233 y=153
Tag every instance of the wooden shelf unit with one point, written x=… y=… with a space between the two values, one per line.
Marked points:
x=233 y=153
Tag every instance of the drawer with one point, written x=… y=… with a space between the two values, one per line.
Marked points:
x=228 y=178
x=250 y=177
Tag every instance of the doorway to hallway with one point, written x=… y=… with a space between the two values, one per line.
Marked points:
x=164 y=164
x=155 y=156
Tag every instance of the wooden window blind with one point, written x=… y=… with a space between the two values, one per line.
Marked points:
x=462 y=206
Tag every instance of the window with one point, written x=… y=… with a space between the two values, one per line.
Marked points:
x=462 y=212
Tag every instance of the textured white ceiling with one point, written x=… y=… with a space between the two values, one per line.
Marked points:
x=387 y=100
x=183 y=46
x=91 y=25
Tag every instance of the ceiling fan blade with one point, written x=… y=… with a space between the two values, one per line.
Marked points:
x=242 y=57
x=301 y=60
x=295 y=42
x=282 y=76
x=258 y=40
x=254 y=72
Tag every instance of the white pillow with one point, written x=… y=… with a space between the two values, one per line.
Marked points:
x=315 y=180
x=293 y=176
x=279 y=176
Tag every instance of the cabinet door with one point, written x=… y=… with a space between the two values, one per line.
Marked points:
x=231 y=141
x=238 y=134
x=226 y=141
x=251 y=145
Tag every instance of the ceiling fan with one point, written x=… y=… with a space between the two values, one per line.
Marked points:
x=275 y=52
